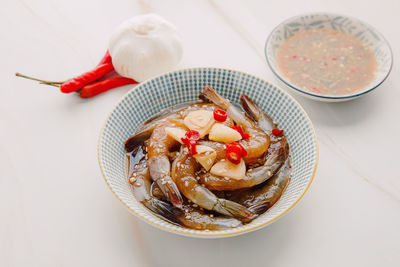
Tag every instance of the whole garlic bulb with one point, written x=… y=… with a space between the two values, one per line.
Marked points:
x=145 y=46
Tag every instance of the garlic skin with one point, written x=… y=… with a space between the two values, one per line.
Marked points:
x=145 y=46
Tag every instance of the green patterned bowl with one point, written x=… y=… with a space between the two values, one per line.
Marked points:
x=180 y=86
x=346 y=24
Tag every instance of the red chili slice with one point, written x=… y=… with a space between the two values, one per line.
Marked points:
x=220 y=115
x=240 y=130
x=192 y=135
x=277 y=132
x=233 y=153
x=243 y=151
x=190 y=140
x=245 y=135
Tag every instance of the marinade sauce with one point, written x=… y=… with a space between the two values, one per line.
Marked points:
x=327 y=62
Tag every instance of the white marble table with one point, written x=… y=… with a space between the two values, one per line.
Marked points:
x=55 y=209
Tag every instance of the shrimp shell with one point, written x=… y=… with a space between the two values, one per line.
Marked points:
x=183 y=173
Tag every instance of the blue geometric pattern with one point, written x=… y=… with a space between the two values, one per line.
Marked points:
x=176 y=87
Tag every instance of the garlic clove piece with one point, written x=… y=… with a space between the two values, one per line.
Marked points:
x=205 y=156
x=225 y=168
x=222 y=133
x=145 y=46
x=200 y=120
x=176 y=133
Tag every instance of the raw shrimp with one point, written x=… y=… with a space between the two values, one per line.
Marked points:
x=145 y=130
x=182 y=194
x=261 y=199
x=257 y=114
x=221 y=152
x=279 y=148
x=183 y=173
x=196 y=219
x=258 y=143
x=177 y=113
x=158 y=148
x=191 y=216
x=139 y=178
x=277 y=153
x=188 y=216
x=274 y=158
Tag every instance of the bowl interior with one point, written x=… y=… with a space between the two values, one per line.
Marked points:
x=176 y=87
x=336 y=22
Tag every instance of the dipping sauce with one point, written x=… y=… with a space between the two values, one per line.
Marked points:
x=328 y=62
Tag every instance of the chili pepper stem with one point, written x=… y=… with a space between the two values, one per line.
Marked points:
x=51 y=84
x=39 y=80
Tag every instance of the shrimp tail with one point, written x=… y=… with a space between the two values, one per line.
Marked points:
x=216 y=98
x=137 y=140
x=252 y=109
x=161 y=208
x=257 y=114
x=260 y=208
x=233 y=209
x=204 y=98
x=173 y=194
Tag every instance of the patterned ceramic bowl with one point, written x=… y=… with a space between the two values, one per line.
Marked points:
x=346 y=24
x=176 y=87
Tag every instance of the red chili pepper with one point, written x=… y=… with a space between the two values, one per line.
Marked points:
x=78 y=82
x=93 y=89
x=245 y=135
x=277 y=132
x=190 y=140
x=106 y=59
x=234 y=152
x=220 y=115
x=240 y=130
x=243 y=152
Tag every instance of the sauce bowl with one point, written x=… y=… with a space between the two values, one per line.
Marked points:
x=353 y=26
x=180 y=86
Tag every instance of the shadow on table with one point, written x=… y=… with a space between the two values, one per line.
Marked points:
x=267 y=245
x=339 y=113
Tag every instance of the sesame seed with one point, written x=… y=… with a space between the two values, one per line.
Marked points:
x=211 y=215
x=138 y=184
x=195 y=205
x=169 y=182
x=132 y=180
x=188 y=217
